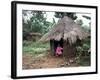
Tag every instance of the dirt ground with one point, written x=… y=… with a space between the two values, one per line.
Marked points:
x=47 y=61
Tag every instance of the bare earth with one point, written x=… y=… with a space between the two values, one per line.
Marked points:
x=47 y=61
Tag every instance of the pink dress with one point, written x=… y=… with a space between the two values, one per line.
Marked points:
x=58 y=50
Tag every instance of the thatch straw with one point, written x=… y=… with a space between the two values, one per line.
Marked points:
x=67 y=29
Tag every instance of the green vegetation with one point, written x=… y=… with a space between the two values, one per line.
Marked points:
x=34 y=48
x=62 y=14
x=83 y=54
x=37 y=23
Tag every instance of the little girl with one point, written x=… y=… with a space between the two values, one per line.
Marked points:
x=59 y=50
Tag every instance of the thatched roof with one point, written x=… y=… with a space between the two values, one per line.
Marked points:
x=67 y=29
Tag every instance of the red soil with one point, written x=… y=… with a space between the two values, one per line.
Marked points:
x=47 y=61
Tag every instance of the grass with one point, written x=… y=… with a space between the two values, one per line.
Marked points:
x=85 y=61
x=37 y=48
x=34 y=48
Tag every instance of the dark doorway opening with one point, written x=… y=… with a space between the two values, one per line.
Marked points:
x=54 y=44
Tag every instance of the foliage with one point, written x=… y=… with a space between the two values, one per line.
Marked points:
x=87 y=28
x=34 y=48
x=82 y=51
x=37 y=22
x=87 y=17
x=83 y=54
x=80 y=22
x=62 y=14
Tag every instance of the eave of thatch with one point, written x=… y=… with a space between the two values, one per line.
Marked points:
x=67 y=29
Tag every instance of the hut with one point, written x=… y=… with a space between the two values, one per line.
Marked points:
x=67 y=33
x=35 y=36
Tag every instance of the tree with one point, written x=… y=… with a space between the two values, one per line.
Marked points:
x=87 y=17
x=62 y=14
x=80 y=22
x=35 y=21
